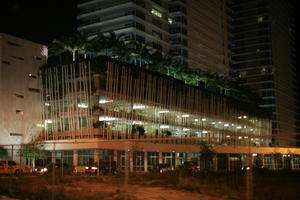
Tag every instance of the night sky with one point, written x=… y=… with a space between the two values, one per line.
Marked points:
x=39 y=21
x=42 y=21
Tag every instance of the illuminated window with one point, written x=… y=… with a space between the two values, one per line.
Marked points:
x=170 y=20
x=156 y=12
x=260 y=19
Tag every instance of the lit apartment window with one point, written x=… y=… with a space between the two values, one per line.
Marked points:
x=19 y=112
x=156 y=12
x=170 y=20
x=260 y=19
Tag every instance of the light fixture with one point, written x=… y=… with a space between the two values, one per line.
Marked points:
x=245 y=117
x=186 y=129
x=48 y=121
x=82 y=106
x=228 y=136
x=136 y=122
x=164 y=126
x=204 y=131
x=47 y=104
x=163 y=111
x=238 y=127
x=220 y=122
x=196 y=120
x=240 y=137
x=226 y=125
x=103 y=101
x=203 y=119
x=213 y=123
x=185 y=115
x=138 y=107
x=105 y=118
x=240 y=117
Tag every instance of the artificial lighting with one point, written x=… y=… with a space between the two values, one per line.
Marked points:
x=163 y=111
x=204 y=131
x=48 y=121
x=232 y=124
x=47 y=104
x=240 y=117
x=238 y=127
x=185 y=115
x=196 y=120
x=240 y=137
x=82 y=106
x=226 y=125
x=186 y=129
x=213 y=123
x=220 y=122
x=136 y=122
x=102 y=118
x=164 y=126
x=245 y=117
x=103 y=101
x=254 y=154
x=203 y=119
x=246 y=137
x=138 y=107
x=228 y=136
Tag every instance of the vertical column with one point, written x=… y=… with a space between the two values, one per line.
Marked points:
x=177 y=159
x=75 y=158
x=131 y=160
x=273 y=161
x=215 y=161
x=228 y=161
x=96 y=156
x=53 y=157
x=189 y=156
x=292 y=162
x=145 y=161
x=160 y=158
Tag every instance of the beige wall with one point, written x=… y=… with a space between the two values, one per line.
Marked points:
x=17 y=62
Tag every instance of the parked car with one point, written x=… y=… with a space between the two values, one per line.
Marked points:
x=62 y=169
x=11 y=167
x=105 y=167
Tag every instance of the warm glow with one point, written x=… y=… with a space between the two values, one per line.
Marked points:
x=103 y=101
x=163 y=111
x=82 y=106
x=226 y=125
x=106 y=118
x=48 y=121
x=47 y=104
x=204 y=131
x=185 y=115
x=186 y=129
x=138 y=107
x=164 y=126
x=203 y=119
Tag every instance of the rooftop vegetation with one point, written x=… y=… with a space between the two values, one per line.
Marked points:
x=79 y=46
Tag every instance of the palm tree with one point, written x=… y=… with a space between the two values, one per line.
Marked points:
x=72 y=44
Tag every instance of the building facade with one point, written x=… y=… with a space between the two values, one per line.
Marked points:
x=263 y=52
x=102 y=109
x=194 y=32
x=20 y=108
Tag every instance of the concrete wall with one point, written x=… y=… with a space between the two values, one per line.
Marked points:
x=20 y=109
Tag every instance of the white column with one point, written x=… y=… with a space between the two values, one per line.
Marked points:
x=75 y=158
x=160 y=158
x=96 y=155
x=131 y=160
x=145 y=161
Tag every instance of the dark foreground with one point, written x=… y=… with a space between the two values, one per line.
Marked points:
x=176 y=185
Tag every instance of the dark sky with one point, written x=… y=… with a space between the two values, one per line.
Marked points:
x=43 y=20
x=39 y=21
